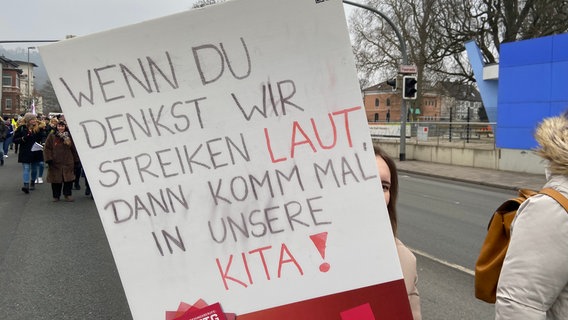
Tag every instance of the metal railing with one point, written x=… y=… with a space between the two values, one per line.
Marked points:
x=455 y=133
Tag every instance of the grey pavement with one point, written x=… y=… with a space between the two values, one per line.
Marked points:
x=55 y=262
x=488 y=177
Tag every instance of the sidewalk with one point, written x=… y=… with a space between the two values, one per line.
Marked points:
x=488 y=177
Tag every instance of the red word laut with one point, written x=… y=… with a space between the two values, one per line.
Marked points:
x=312 y=138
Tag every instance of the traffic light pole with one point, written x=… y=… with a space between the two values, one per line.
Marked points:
x=402 y=155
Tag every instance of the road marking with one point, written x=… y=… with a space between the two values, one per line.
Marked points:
x=446 y=263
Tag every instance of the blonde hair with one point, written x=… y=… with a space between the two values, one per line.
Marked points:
x=552 y=137
x=29 y=117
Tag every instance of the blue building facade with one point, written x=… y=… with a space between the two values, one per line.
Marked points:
x=533 y=84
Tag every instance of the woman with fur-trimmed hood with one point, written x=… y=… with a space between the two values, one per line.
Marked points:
x=60 y=155
x=534 y=279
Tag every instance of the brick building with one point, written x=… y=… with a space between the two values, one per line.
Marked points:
x=435 y=103
x=10 y=94
x=18 y=88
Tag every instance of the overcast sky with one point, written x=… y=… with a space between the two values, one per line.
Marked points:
x=54 y=19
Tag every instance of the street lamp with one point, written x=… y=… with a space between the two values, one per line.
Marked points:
x=29 y=74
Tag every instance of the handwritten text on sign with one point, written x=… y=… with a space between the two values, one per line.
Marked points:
x=228 y=162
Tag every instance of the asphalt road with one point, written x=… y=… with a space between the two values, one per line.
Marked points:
x=446 y=219
x=55 y=261
x=444 y=222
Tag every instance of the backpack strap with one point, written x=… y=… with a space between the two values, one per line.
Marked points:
x=556 y=196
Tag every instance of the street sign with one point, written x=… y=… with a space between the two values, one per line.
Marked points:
x=407 y=69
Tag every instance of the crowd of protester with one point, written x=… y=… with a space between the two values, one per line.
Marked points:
x=38 y=143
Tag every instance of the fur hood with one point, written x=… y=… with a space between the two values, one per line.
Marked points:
x=552 y=137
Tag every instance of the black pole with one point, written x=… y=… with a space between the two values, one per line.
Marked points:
x=451 y=124
x=402 y=156
x=26 y=41
x=468 y=129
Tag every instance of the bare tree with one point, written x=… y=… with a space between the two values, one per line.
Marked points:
x=493 y=22
x=377 y=49
x=50 y=102
x=204 y=3
x=530 y=18
x=435 y=32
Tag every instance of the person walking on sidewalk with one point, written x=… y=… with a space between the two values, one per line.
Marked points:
x=29 y=137
x=16 y=124
x=9 y=136
x=3 y=135
x=78 y=172
x=44 y=129
x=533 y=283
x=61 y=157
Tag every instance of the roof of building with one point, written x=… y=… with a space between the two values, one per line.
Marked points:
x=8 y=63
x=19 y=62
x=460 y=91
x=379 y=87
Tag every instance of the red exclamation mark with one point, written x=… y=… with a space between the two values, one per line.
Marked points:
x=319 y=241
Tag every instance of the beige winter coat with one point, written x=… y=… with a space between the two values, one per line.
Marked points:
x=534 y=280
x=408 y=265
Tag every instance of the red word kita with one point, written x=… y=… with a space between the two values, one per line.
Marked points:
x=229 y=270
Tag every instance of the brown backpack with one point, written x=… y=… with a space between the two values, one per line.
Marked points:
x=494 y=248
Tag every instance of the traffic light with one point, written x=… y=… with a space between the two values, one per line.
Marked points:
x=392 y=83
x=409 y=90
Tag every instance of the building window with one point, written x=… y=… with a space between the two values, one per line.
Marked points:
x=8 y=104
x=376 y=117
x=376 y=102
x=388 y=102
x=6 y=80
x=431 y=103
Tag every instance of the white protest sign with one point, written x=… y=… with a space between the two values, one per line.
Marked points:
x=229 y=156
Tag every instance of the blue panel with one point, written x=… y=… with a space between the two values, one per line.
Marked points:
x=524 y=83
x=533 y=85
x=560 y=47
x=559 y=83
x=521 y=115
x=557 y=108
x=487 y=88
x=516 y=138
x=533 y=51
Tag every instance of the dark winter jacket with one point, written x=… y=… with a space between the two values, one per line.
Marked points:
x=26 y=139
x=10 y=131
x=3 y=131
